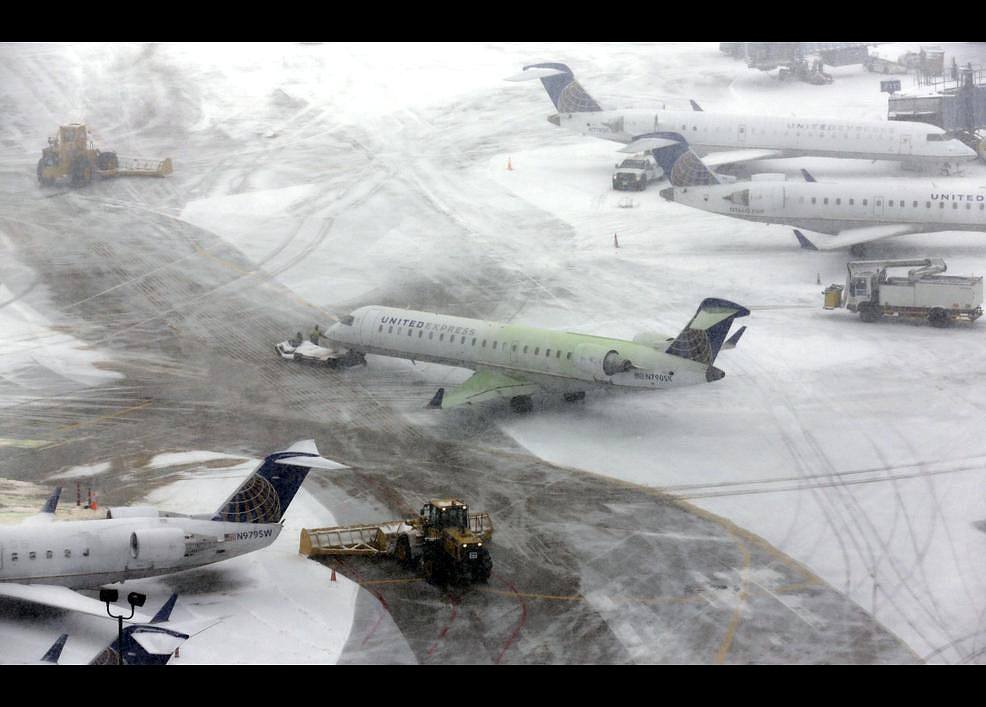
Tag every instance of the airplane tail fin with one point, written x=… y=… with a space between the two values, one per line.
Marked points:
x=55 y=651
x=703 y=336
x=267 y=492
x=52 y=503
x=559 y=81
x=682 y=166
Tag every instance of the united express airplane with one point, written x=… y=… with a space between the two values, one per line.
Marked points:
x=42 y=561
x=514 y=362
x=855 y=212
x=732 y=138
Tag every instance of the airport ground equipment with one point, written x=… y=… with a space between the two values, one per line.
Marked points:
x=449 y=542
x=636 y=173
x=71 y=154
x=923 y=294
x=308 y=352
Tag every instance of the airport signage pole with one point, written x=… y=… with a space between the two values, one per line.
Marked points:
x=135 y=599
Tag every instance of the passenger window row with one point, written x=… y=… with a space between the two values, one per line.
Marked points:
x=899 y=203
x=495 y=344
x=49 y=554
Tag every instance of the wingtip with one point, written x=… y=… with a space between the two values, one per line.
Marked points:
x=803 y=241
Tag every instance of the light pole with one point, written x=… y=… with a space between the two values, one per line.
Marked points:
x=135 y=599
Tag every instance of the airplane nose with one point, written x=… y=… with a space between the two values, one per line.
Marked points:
x=555 y=119
x=668 y=193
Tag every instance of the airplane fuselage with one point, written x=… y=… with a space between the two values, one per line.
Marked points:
x=793 y=137
x=87 y=553
x=556 y=360
x=829 y=207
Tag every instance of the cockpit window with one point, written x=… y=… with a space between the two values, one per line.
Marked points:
x=347 y=320
x=937 y=137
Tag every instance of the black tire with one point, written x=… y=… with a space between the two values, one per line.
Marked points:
x=938 y=318
x=403 y=552
x=106 y=161
x=869 y=314
x=484 y=568
x=521 y=403
x=42 y=179
x=574 y=397
x=858 y=250
x=81 y=172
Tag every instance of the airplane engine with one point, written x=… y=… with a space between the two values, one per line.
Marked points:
x=600 y=362
x=156 y=545
x=132 y=512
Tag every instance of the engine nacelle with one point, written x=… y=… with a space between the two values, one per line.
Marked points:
x=600 y=361
x=157 y=545
x=132 y=512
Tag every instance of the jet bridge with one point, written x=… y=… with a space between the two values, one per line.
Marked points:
x=955 y=102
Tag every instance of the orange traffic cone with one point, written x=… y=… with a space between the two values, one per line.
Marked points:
x=333 y=574
x=94 y=506
x=510 y=167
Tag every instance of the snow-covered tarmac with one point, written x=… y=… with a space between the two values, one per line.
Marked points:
x=852 y=448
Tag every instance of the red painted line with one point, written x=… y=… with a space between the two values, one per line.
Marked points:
x=520 y=624
x=447 y=626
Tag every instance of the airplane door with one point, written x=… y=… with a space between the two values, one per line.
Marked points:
x=514 y=351
x=905 y=144
x=368 y=325
x=878 y=205
x=741 y=134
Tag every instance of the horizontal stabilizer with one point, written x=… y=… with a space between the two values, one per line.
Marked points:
x=734 y=339
x=487 y=385
x=534 y=73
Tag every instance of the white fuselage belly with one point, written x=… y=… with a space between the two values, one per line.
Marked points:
x=549 y=358
x=794 y=137
x=88 y=553
x=833 y=207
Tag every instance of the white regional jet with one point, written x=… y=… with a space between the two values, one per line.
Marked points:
x=856 y=212
x=513 y=362
x=735 y=138
x=44 y=561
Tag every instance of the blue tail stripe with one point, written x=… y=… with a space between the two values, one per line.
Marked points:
x=564 y=91
x=266 y=494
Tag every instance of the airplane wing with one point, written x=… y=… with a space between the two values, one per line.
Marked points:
x=487 y=385
x=855 y=236
x=734 y=156
x=64 y=598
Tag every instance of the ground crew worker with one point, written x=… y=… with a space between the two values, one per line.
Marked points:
x=315 y=335
x=296 y=341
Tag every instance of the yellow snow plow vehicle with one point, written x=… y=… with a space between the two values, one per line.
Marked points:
x=449 y=542
x=71 y=155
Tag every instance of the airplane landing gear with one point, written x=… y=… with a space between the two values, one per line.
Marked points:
x=858 y=250
x=574 y=397
x=521 y=403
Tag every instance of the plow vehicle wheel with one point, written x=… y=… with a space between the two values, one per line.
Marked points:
x=42 y=179
x=81 y=172
x=938 y=317
x=485 y=568
x=403 y=552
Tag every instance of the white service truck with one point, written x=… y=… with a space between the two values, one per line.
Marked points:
x=924 y=293
x=636 y=172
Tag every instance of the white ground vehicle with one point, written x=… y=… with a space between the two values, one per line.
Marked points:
x=307 y=351
x=923 y=294
x=636 y=173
